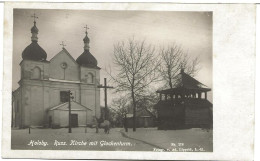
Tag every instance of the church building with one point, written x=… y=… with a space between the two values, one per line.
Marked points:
x=41 y=99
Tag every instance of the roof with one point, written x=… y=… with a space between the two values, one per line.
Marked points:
x=74 y=107
x=34 y=29
x=66 y=52
x=34 y=52
x=185 y=81
x=143 y=112
x=86 y=39
x=86 y=59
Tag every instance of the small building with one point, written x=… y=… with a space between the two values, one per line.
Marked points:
x=80 y=115
x=144 y=118
x=183 y=105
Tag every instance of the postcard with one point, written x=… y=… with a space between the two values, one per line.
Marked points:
x=128 y=81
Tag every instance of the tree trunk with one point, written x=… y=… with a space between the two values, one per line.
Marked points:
x=134 y=111
x=170 y=83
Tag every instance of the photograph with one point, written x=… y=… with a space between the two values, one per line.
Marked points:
x=112 y=80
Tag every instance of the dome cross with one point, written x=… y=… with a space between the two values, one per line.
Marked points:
x=86 y=27
x=62 y=44
x=34 y=17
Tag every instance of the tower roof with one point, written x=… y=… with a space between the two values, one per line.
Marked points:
x=34 y=51
x=86 y=58
x=34 y=29
x=86 y=39
x=185 y=81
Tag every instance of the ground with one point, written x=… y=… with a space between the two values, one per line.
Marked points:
x=189 y=140
x=144 y=139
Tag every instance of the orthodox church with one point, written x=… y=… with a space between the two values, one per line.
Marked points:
x=42 y=97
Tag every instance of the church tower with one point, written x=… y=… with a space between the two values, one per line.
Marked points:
x=32 y=93
x=34 y=51
x=90 y=78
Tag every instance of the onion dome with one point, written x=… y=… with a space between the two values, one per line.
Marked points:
x=34 y=29
x=86 y=58
x=86 y=39
x=34 y=51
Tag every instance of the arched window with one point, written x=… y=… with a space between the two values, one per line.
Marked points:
x=90 y=78
x=36 y=73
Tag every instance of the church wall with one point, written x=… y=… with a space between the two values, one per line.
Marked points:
x=71 y=72
x=86 y=73
x=82 y=95
x=90 y=99
x=90 y=94
x=98 y=109
x=89 y=117
x=32 y=75
x=46 y=102
x=46 y=73
x=63 y=118
x=54 y=93
x=56 y=118
x=25 y=110
x=17 y=108
x=77 y=95
x=37 y=106
x=39 y=96
x=28 y=66
x=35 y=102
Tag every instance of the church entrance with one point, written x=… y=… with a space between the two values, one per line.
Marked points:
x=74 y=120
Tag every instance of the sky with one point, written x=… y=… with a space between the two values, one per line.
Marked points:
x=192 y=30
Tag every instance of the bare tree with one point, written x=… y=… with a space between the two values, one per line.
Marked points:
x=173 y=59
x=136 y=69
x=120 y=105
x=148 y=101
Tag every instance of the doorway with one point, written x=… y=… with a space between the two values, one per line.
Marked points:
x=74 y=120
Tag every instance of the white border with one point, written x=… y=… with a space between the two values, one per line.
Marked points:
x=257 y=89
x=151 y=1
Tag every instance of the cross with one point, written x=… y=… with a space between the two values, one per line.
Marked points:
x=34 y=17
x=86 y=27
x=62 y=44
x=105 y=87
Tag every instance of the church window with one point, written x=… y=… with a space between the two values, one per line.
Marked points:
x=90 y=78
x=64 y=65
x=63 y=96
x=36 y=73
